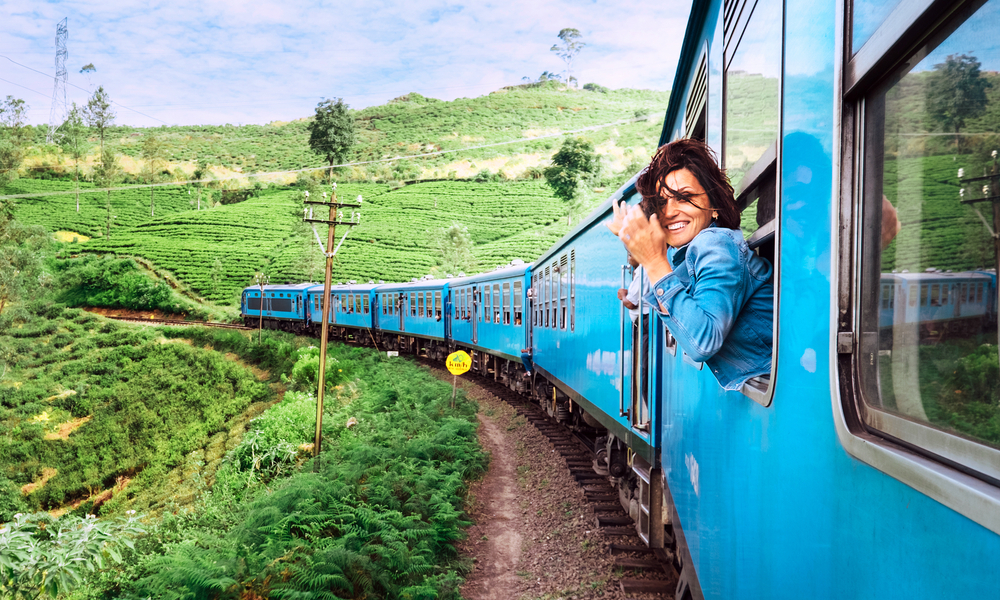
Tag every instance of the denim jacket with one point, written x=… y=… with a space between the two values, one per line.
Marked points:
x=719 y=305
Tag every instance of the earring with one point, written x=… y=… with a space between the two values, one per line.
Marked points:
x=715 y=215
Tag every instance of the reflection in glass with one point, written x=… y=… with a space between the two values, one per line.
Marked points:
x=752 y=88
x=933 y=294
x=868 y=15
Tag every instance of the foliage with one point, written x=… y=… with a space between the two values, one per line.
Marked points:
x=331 y=132
x=20 y=264
x=99 y=114
x=14 y=134
x=40 y=555
x=455 y=244
x=567 y=51
x=572 y=165
x=956 y=92
x=114 y=283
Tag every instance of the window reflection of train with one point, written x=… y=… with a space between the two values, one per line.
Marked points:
x=942 y=303
x=848 y=472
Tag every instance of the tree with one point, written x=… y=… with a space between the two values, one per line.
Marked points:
x=14 y=134
x=106 y=174
x=331 y=133
x=572 y=165
x=956 y=92
x=99 y=114
x=20 y=257
x=567 y=51
x=40 y=555
x=455 y=245
x=72 y=136
x=152 y=154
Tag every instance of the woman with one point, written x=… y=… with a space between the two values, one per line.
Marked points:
x=712 y=292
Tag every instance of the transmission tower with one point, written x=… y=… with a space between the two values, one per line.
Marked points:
x=58 y=112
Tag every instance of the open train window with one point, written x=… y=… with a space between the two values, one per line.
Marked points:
x=546 y=283
x=753 y=61
x=487 y=314
x=365 y=302
x=516 y=302
x=496 y=302
x=505 y=296
x=437 y=305
x=926 y=370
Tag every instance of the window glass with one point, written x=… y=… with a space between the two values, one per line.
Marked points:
x=931 y=128
x=752 y=87
x=505 y=302
x=365 y=302
x=357 y=303
x=867 y=16
x=563 y=289
x=487 y=315
x=437 y=305
x=496 y=302
x=420 y=304
x=546 y=283
x=413 y=304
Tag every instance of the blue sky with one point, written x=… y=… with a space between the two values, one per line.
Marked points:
x=229 y=61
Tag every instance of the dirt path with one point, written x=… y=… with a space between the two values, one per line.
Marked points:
x=534 y=534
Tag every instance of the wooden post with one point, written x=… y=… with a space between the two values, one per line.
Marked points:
x=325 y=335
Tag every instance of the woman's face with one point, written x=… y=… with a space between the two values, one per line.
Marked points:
x=682 y=220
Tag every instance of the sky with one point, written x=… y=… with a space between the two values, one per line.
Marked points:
x=211 y=62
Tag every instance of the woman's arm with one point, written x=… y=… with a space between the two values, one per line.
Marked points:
x=701 y=315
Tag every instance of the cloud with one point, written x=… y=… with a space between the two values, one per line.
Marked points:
x=229 y=61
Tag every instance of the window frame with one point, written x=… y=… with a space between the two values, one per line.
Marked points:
x=763 y=173
x=517 y=302
x=506 y=303
x=955 y=471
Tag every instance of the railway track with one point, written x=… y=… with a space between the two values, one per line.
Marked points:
x=652 y=571
x=177 y=322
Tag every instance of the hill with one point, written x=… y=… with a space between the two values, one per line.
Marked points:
x=216 y=248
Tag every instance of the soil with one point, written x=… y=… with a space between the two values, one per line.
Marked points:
x=534 y=534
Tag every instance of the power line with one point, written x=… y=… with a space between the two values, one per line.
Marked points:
x=83 y=89
x=327 y=167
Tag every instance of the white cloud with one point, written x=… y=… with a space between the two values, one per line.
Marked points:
x=219 y=61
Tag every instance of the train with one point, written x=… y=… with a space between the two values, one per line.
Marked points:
x=858 y=467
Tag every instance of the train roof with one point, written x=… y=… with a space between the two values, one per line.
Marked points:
x=420 y=284
x=351 y=287
x=921 y=277
x=503 y=272
x=285 y=287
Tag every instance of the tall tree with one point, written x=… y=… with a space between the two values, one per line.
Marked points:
x=574 y=163
x=14 y=134
x=106 y=174
x=331 y=133
x=455 y=245
x=152 y=155
x=956 y=92
x=99 y=114
x=568 y=49
x=72 y=136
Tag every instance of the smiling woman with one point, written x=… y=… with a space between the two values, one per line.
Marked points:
x=715 y=295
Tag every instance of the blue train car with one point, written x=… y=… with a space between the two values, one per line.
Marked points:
x=280 y=307
x=354 y=311
x=416 y=316
x=488 y=319
x=843 y=474
x=941 y=302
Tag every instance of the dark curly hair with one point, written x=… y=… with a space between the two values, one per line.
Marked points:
x=698 y=158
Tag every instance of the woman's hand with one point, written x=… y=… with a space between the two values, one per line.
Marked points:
x=615 y=224
x=646 y=241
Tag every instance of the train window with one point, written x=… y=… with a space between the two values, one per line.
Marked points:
x=516 y=302
x=487 y=315
x=505 y=301
x=365 y=303
x=420 y=304
x=546 y=289
x=867 y=16
x=413 y=304
x=357 y=303
x=554 y=293
x=437 y=305
x=563 y=290
x=927 y=125
x=496 y=302
x=572 y=290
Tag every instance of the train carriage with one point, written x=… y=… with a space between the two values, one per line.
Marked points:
x=416 y=316
x=489 y=320
x=275 y=306
x=353 y=314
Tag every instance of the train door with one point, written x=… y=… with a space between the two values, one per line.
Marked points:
x=475 y=315
x=447 y=315
x=402 y=311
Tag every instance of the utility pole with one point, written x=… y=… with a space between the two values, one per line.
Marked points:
x=336 y=218
x=991 y=194
x=260 y=279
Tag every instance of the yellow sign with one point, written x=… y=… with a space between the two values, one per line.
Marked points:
x=458 y=362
